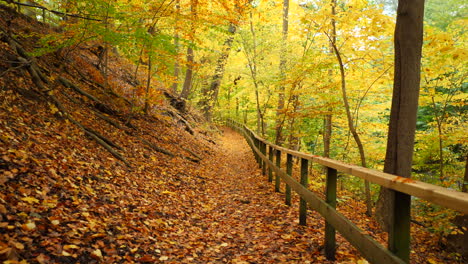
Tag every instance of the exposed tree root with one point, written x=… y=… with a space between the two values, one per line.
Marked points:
x=191 y=152
x=101 y=140
x=39 y=79
x=156 y=148
x=108 y=120
x=97 y=103
x=105 y=89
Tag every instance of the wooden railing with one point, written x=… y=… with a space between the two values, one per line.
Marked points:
x=374 y=252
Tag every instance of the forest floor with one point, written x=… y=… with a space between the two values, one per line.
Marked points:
x=86 y=179
x=237 y=218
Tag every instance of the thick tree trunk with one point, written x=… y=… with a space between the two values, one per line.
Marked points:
x=187 y=87
x=402 y=127
x=280 y=116
x=210 y=94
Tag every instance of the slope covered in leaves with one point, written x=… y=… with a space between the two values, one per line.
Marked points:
x=65 y=198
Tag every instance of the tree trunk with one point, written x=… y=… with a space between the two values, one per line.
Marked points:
x=293 y=140
x=177 y=46
x=253 y=73
x=148 y=87
x=280 y=116
x=187 y=87
x=402 y=127
x=327 y=120
x=352 y=128
x=441 y=151
x=327 y=132
x=210 y=94
x=465 y=179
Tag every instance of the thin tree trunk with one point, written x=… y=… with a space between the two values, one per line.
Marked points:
x=327 y=132
x=253 y=72
x=439 y=117
x=279 y=139
x=441 y=152
x=177 y=46
x=465 y=179
x=327 y=121
x=399 y=155
x=148 y=86
x=293 y=140
x=352 y=128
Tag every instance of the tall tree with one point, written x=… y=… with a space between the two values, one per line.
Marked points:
x=351 y=125
x=279 y=138
x=398 y=160
x=327 y=120
x=252 y=57
x=187 y=87
x=176 y=46
x=349 y=117
x=210 y=92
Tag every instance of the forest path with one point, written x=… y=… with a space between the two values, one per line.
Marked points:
x=238 y=218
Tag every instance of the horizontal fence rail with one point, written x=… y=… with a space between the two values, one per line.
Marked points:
x=270 y=163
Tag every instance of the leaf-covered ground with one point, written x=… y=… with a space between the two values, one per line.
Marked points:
x=65 y=199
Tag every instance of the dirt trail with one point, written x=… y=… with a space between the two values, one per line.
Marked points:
x=240 y=219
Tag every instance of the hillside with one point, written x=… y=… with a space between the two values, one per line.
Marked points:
x=77 y=167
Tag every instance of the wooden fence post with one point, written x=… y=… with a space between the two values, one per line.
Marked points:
x=289 y=165
x=330 y=233
x=399 y=235
x=270 y=157
x=278 y=164
x=305 y=183
x=257 y=157
x=263 y=150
